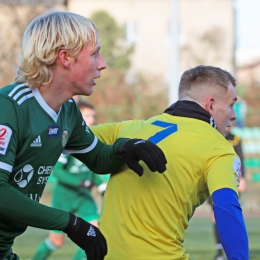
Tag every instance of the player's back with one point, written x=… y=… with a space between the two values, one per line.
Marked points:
x=146 y=217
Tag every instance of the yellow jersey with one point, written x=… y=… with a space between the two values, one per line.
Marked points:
x=144 y=218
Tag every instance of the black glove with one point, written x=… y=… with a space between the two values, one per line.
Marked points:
x=87 y=184
x=134 y=150
x=88 y=237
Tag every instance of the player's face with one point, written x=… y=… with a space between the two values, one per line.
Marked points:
x=89 y=115
x=85 y=69
x=223 y=112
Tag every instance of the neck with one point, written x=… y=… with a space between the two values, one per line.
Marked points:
x=54 y=99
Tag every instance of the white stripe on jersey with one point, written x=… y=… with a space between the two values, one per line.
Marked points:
x=86 y=150
x=6 y=166
x=21 y=92
x=17 y=87
x=24 y=98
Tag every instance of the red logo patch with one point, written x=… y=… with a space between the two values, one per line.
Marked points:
x=2 y=133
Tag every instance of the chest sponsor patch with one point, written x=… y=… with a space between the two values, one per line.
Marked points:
x=5 y=137
x=53 y=131
x=237 y=167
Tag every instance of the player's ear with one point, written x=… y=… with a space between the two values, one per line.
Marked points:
x=64 y=58
x=209 y=105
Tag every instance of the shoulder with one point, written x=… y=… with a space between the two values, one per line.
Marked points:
x=17 y=93
x=70 y=106
x=220 y=149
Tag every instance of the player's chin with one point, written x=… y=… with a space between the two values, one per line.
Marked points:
x=89 y=90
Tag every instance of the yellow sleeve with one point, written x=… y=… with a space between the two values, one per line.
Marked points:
x=223 y=168
x=107 y=133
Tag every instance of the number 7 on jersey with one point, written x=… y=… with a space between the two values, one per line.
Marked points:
x=170 y=128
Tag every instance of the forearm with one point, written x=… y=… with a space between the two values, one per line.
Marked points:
x=19 y=208
x=103 y=159
x=230 y=224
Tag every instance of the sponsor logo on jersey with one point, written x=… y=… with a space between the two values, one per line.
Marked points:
x=45 y=170
x=64 y=138
x=237 y=167
x=44 y=174
x=37 y=142
x=53 y=131
x=5 y=137
x=23 y=176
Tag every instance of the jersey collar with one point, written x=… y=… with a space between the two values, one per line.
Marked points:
x=44 y=105
x=190 y=109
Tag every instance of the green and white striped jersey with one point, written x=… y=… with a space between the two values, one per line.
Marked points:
x=33 y=136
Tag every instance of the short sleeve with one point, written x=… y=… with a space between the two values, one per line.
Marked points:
x=223 y=168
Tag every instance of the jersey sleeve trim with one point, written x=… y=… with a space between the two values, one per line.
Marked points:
x=86 y=150
x=15 y=89
x=24 y=98
x=5 y=166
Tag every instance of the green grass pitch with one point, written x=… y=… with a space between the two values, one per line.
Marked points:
x=199 y=241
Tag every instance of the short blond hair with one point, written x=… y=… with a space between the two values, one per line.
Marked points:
x=44 y=37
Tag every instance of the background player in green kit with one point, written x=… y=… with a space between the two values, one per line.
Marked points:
x=72 y=192
x=59 y=58
x=201 y=163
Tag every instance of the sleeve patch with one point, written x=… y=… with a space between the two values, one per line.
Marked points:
x=237 y=168
x=5 y=137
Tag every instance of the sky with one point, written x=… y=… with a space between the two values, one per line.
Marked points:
x=248 y=24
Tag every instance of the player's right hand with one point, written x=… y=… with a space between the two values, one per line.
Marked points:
x=88 y=237
x=134 y=150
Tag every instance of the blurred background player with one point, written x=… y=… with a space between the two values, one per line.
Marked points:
x=236 y=142
x=72 y=192
x=241 y=111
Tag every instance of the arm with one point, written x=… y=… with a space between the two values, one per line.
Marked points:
x=230 y=224
x=110 y=158
x=34 y=214
x=103 y=158
x=16 y=204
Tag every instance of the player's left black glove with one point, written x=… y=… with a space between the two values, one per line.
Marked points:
x=134 y=150
x=87 y=236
